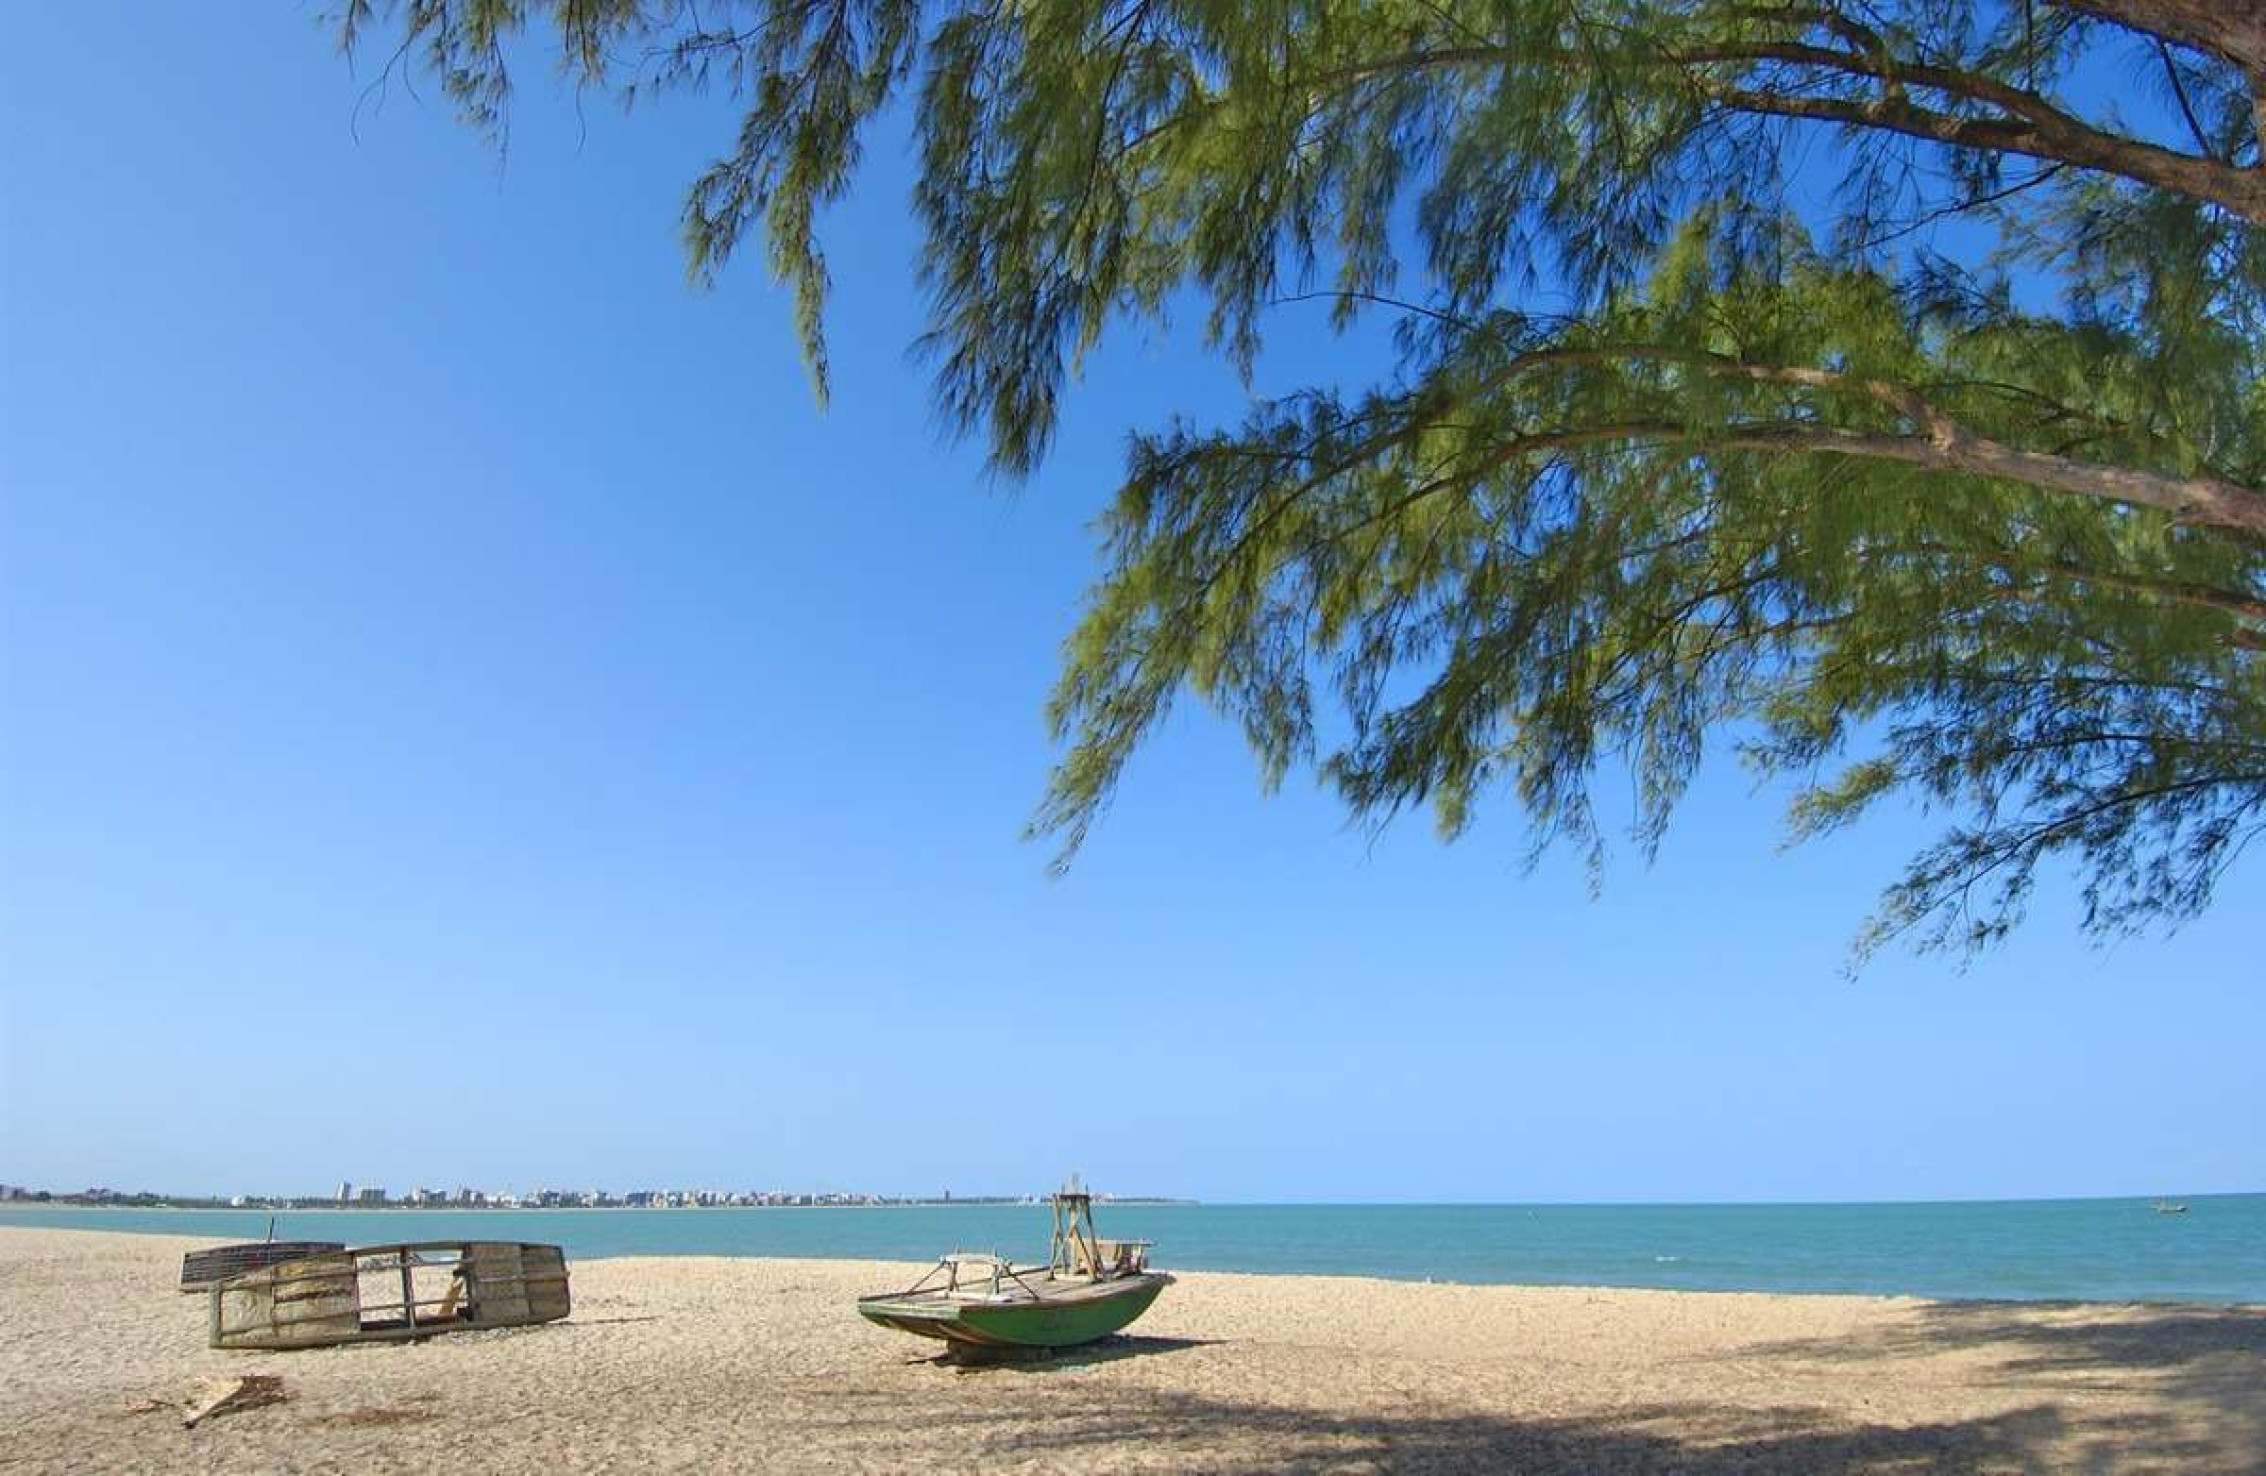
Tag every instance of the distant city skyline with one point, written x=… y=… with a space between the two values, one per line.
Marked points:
x=685 y=1197
x=350 y=1195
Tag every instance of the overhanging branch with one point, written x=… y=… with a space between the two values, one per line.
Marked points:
x=1942 y=443
x=2019 y=122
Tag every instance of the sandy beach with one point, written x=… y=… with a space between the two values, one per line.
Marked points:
x=705 y=1364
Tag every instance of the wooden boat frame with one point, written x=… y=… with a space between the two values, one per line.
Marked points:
x=421 y=1289
x=202 y=1270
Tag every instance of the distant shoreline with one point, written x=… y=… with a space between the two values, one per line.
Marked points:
x=332 y=1207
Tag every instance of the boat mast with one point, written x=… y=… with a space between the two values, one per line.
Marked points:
x=1074 y=1250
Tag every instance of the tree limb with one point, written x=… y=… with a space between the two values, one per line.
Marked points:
x=2232 y=30
x=1943 y=445
x=2198 y=501
x=2240 y=190
x=2027 y=123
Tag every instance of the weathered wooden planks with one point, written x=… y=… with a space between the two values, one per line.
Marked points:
x=376 y=1293
x=203 y=1270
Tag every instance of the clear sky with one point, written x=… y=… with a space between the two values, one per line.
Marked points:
x=467 y=717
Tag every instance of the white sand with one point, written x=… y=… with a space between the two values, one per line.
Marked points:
x=714 y=1364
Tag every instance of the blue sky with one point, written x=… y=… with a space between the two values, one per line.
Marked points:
x=467 y=717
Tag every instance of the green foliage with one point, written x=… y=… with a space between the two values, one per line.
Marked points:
x=1986 y=526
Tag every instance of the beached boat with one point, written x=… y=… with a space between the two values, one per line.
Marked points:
x=203 y=1270
x=1088 y=1289
x=382 y=1293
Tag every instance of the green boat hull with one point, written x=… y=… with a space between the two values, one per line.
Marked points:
x=1047 y=1322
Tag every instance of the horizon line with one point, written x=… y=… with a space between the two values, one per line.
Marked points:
x=1013 y=1200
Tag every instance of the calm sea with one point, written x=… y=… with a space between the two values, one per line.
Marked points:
x=2095 y=1249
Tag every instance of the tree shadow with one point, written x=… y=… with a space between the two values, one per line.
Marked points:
x=2058 y=1337
x=2094 y=1389
x=2204 y=1366
x=2195 y=1377
x=1181 y=1431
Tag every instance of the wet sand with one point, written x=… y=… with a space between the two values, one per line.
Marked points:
x=698 y=1363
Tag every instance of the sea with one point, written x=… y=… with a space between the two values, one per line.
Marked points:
x=2068 y=1249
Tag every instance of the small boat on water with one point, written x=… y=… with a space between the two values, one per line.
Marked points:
x=1088 y=1289
x=2166 y=1207
x=385 y=1293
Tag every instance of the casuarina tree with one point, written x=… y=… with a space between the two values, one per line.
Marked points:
x=1873 y=385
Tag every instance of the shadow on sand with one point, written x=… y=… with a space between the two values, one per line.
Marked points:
x=2206 y=1366
x=1179 y=1431
x=2202 y=1372
x=1044 y=1360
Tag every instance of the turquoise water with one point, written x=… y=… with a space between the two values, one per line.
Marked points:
x=2094 y=1249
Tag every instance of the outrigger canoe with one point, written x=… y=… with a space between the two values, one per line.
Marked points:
x=1088 y=1289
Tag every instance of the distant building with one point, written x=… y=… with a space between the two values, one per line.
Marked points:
x=370 y=1196
x=345 y=1191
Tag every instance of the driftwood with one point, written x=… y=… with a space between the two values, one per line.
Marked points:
x=222 y=1396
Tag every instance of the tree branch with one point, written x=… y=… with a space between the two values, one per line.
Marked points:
x=2240 y=190
x=2232 y=30
x=2198 y=501
x=2028 y=124
x=1943 y=445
